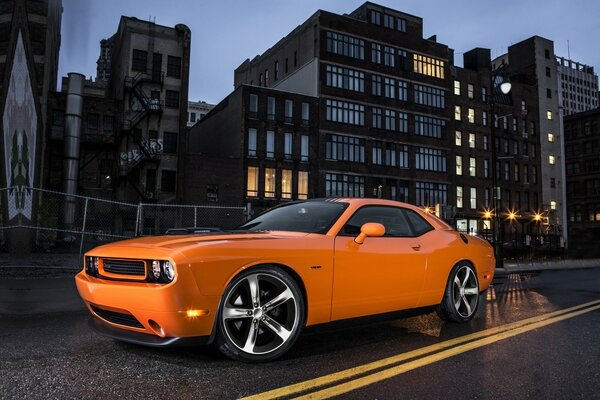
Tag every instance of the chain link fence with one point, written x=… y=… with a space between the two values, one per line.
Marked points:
x=73 y=223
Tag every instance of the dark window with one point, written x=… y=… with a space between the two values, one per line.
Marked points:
x=172 y=99
x=108 y=122
x=174 y=66
x=168 y=181
x=157 y=67
x=139 y=60
x=547 y=71
x=150 y=180
x=547 y=53
x=253 y=106
x=549 y=93
x=92 y=122
x=212 y=193
x=170 y=142
x=398 y=222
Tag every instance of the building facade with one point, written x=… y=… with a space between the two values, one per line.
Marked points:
x=577 y=86
x=196 y=110
x=582 y=154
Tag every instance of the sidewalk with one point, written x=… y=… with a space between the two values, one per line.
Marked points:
x=43 y=283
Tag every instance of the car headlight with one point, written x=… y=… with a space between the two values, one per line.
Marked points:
x=91 y=265
x=168 y=271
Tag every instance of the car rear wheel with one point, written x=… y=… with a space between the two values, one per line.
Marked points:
x=461 y=297
x=261 y=315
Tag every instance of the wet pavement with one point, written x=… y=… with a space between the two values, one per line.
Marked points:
x=56 y=355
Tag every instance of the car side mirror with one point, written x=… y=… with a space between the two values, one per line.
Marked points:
x=370 y=229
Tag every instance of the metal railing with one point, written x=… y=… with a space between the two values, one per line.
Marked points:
x=96 y=221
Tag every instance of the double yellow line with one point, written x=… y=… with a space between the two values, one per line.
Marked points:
x=350 y=377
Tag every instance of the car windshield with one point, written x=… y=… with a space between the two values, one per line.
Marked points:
x=308 y=217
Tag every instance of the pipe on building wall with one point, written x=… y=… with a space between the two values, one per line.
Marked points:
x=72 y=144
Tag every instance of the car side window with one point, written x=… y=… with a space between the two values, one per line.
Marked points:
x=418 y=224
x=392 y=218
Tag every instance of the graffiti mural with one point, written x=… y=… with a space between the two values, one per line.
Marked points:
x=19 y=122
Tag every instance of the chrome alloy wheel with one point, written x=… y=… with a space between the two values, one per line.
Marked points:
x=260 y=313
x=465 y=291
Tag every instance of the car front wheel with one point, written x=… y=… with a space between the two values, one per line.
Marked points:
x=261 y=315
x=461 y=297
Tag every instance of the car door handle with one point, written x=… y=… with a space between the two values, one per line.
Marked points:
x=416 y=247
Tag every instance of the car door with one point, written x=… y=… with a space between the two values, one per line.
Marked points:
x=382 y=274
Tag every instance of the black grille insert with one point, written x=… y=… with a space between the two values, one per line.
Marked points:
x=117 y=317
x=125 y=267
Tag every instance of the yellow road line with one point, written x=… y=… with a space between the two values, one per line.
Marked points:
x=409 y=366
x=361 y=369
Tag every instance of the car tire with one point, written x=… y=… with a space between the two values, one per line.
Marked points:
x=461 y=297
x=261 y=315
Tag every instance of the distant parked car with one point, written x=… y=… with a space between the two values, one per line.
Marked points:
x=252 y=290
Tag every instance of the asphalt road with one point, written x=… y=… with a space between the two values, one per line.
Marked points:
x=56 y=355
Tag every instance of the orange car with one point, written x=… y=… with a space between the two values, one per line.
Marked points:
x=252 y=290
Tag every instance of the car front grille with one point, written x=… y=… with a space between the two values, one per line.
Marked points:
x=117 y=317
x=125 y=267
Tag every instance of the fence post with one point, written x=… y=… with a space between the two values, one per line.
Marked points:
x=138 y=217
x=83 y=225
x=195 y=217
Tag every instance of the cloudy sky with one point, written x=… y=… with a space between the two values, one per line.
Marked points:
x=226 y=32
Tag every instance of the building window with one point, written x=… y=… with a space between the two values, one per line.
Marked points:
x=525 y=174
x=401 y=24
x=553 y=183
x=402 y=90
x=174 y=66
x=345 y=112
x=549 y=115
x=430 y=127
x=339 y=185
x=302 y=185
x=260 y=79
x=534 y=174
x=389 y=56
x=286 y=184
x=402 y=122
x=287 y=146
x=471 y=116
x=269 y=182
x=345 y=148
x=377 y=151
x=427 y=159
x=457 y=113
x=458 y=138
x=305 y=113
x=470 y=91
x=390 y=120
x=172 y=99
x=139 y=60
x=271 y=108
x=252 y=182
x=390 y=155
x=403 y=156
x=486 y=168
x=458 y=165
x=168 y=181
x=169 y=142
x=471 y=140
x=266 y=77
x=108 y=123
x=375 y=53
x=473 y=198
x=547 y=53
x=344 y=45
x=428 y=66
x=376 y=85
x=388 y=21
x=551 y=160
x=212 y=193
x=345 y=78
x=549 y=93
x=252 y=142
x=429 y=96
x=472 y=166
x=375 y=17
x=270 y=144
x=507 y=171
x=484 y=94
x=485 y=143
x=429 y=193
x=288 y=111
x=253 y=106
x=304 y=148
x=192 y=117
x=276 y=70
x=551 y=137
x=457 y=88
x=92 y=123
x=553 y=205
x=402 y=60
x=389 y=88
x=459 y=197
x=376 y=118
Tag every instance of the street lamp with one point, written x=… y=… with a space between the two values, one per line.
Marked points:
x=497 y=82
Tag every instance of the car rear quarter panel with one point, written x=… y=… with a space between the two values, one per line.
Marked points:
x=310 y=257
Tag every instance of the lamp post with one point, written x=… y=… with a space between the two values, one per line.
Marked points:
x=504 y=87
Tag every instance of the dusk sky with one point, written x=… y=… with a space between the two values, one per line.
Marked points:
x=226 y=32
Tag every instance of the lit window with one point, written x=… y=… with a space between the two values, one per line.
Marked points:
x=484 y=118
x=553 y=205
x=549 y=115
x=473 y=198
x=472 y=166
x=302 y=185
x=551 y=137
x=471 y=116
x=458 y=138
x=470 y=91
x=457 y=113
x=252 y=184
x=457 y=88
x=551 y=160
x=459 y=197
x=458 y=165
x=471 y=140
x=428 y=66
x=269 y=182
x=286 y=184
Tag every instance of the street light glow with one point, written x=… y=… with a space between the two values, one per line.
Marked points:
x=487 y=214
x=512 y=215
x=537 y=217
